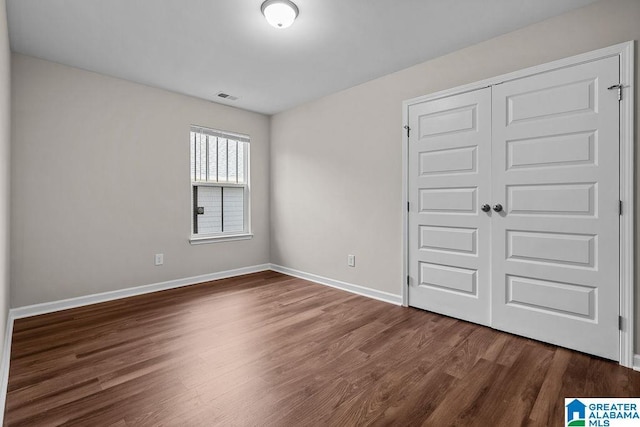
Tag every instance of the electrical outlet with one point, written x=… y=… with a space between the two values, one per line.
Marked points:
x=159 y=259
x=351 y=260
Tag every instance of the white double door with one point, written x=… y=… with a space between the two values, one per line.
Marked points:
x=545 y=262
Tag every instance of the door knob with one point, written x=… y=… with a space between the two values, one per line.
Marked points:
x=485 y=208
x=497 y=207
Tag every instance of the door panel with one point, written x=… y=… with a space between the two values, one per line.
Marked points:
x=545 y=147
x=448 y=200
x=545 y=102
x=558 y=248
x=555 y=251
x=576 y=148
x=449 y=176
x=552 y=199
x=452 y=239
x=563 y=299
x=456 y=160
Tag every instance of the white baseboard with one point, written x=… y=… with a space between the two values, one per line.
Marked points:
x=50 y=307
x=4 y=365
x=65 y=304
x=349 y=287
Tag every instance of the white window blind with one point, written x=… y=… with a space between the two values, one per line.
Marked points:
x=219 y=180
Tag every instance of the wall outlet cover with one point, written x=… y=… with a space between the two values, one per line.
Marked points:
x=159 y=259
x=351 y=260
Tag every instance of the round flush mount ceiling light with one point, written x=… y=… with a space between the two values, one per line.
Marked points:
x=279 y=13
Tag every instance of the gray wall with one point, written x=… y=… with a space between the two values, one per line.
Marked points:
x=100 y=183
x=5 y=98
x=336 y=167
x=100 y=168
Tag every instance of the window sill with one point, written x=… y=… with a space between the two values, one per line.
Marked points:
x=215 y=239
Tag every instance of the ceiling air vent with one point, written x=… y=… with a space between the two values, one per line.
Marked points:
x=226 y=96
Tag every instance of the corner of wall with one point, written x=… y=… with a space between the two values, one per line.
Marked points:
x=6 y=326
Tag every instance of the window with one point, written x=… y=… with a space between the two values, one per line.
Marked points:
x=219 y=185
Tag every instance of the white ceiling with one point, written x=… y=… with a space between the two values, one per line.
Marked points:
x=202 y=47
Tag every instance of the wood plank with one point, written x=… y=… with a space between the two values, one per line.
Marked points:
x=269 y=349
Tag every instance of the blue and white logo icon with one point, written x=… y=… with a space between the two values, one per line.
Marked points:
x=602 y=412
x=576 y=413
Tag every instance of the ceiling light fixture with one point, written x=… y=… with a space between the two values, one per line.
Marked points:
x=279 y=13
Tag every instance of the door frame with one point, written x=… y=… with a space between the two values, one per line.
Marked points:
x=625 y=53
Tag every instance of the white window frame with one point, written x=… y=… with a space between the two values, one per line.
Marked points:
x=197 y=239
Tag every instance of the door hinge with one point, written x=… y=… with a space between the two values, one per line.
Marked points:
x=408 y=206
x=619 y=87
x=408 y=130
x=408 y=280
x=620 y=207
x=620 y=323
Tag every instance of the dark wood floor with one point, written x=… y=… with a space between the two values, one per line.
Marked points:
x=271 y=350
